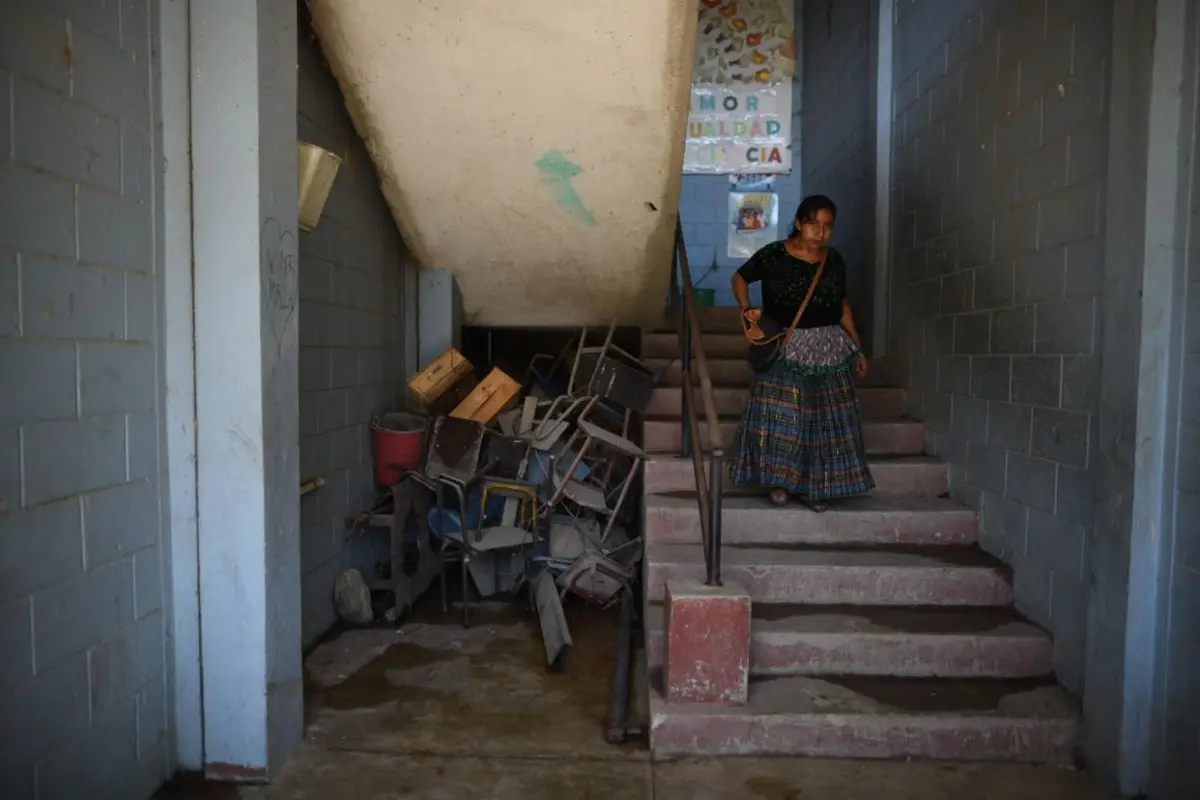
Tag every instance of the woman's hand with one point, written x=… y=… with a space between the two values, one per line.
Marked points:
x=750 y=318
x=860 y=367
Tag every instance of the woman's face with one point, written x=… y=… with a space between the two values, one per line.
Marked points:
x=817 y=229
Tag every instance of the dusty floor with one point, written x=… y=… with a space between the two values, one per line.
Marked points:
x=432 y=711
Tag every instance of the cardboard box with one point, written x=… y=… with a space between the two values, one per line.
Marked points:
x=447 y=378
x=494 y=394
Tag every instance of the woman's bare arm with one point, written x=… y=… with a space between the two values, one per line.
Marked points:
x=860 y=365
x=848 y=323
x=741 y=291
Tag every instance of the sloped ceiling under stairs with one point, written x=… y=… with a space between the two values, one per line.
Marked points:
x=533 y=147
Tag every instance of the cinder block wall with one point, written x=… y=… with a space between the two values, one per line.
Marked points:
x=82 y=682
x=357 y=320
x=1000 y=160
x=838 y=139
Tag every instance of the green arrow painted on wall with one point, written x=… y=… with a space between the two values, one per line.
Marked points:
x=557 y=172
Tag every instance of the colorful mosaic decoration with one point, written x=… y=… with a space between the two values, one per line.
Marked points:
x=745 y=41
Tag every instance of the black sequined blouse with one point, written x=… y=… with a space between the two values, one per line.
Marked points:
x=785 y=280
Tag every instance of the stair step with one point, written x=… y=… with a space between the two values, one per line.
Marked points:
x=876 y=519
x=716 y=345
x=734 y=372
x=721 y=371
x=872 y=640
x=935 y=576
x=667 y=401
x=923 y=476
x=881 y=437
x=981 y=720
x=715 y=319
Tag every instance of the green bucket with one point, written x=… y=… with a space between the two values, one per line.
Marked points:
x=704 y=298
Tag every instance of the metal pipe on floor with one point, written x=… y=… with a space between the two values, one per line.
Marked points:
x=618 y=706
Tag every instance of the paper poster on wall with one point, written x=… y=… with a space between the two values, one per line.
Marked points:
x=753 y=222
x=743 y=129
x=745 y=41
x=739 y=182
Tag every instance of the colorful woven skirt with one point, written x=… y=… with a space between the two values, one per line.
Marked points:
x=801 y=430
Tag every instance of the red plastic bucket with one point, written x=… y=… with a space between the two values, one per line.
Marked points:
x=398 y=438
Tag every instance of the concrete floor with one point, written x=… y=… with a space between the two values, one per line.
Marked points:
x=433 y=711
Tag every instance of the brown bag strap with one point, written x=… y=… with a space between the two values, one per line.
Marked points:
x=812 y=287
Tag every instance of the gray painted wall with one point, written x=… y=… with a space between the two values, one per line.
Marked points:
x=838 y=142
x=999 y=157
x=356 y=342
x=83 y=707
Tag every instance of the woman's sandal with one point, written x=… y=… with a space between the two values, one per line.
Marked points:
x=814 y=505
x=778 y=497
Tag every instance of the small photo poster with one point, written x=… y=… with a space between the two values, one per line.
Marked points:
x=753 y=222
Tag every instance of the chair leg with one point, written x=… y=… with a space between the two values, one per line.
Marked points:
x=616 y=512
x=466 y=551
x=465 y=589
x=612 y=462
x=444 y=546
x=570 y=473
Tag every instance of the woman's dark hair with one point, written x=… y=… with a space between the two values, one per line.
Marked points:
x=809 y=206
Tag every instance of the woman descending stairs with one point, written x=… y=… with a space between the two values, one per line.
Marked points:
x=878 y=628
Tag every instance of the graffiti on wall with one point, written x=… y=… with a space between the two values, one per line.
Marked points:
x=558 y=172
x=277 y=263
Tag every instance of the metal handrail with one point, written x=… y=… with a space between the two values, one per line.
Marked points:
x=708 y=488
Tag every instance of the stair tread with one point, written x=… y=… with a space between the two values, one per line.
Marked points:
x=745 y=389
x=674 y=332
x=862 y=557
x=890 y=458
x=876 y=502
x=948 y=621
x=722 y=370
x=1006 y=698
x=726 y=418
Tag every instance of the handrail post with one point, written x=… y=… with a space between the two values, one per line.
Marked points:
x=709 y=487
x=716 y=470
x=685 y=370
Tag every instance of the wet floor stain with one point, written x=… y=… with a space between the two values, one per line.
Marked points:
x=772 y=788
x=441 y=687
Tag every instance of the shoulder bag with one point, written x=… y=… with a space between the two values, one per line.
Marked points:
x=767 y=341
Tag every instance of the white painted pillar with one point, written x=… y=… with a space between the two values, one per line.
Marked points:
x=187 y=713
x=243 y=83
x=439 y=311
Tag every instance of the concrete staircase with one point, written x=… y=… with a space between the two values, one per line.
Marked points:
x=878 y=629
